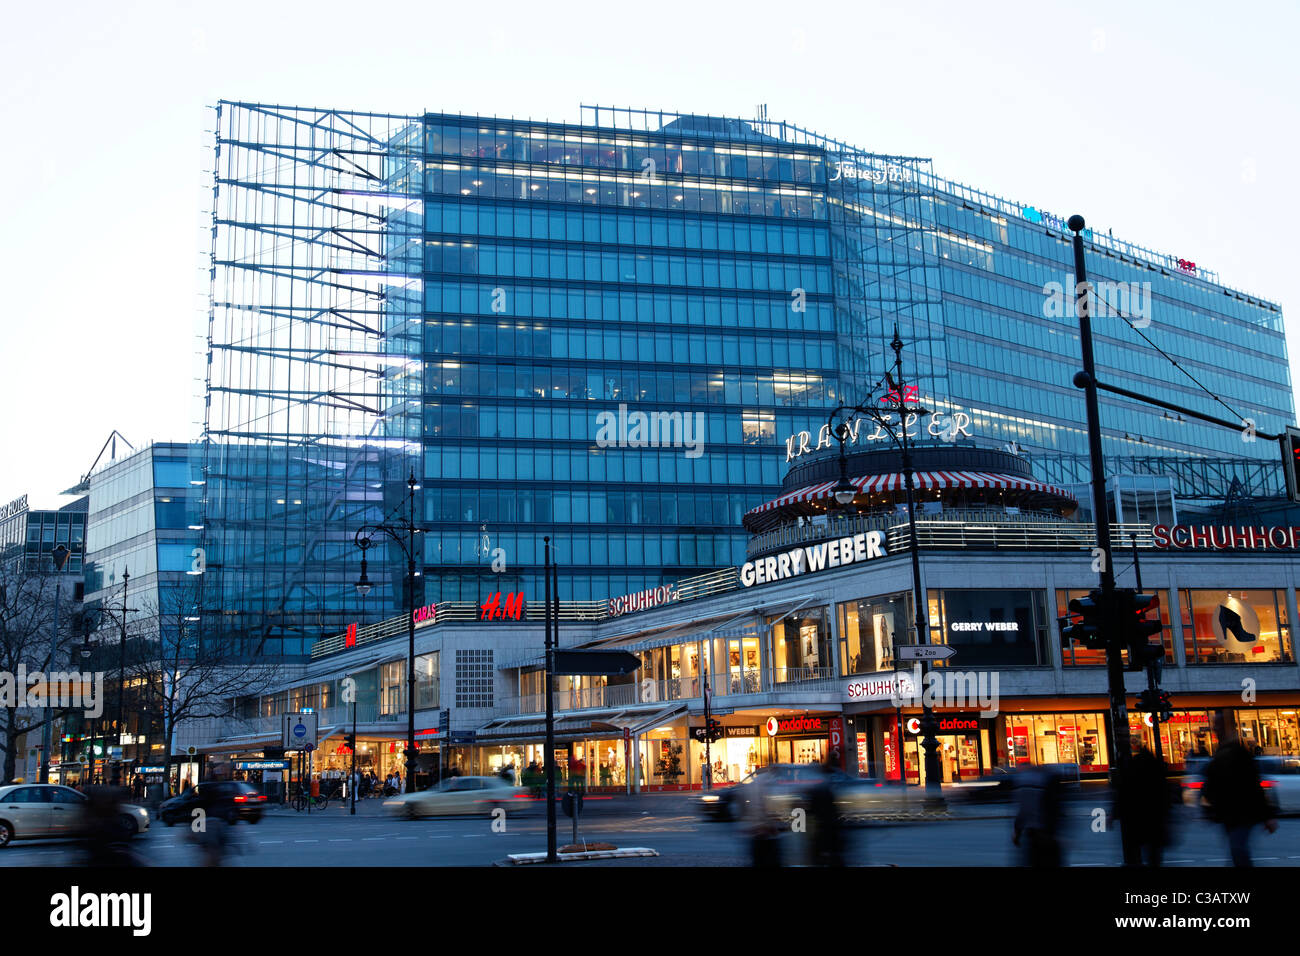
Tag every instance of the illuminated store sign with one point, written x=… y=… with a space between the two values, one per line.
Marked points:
x=984 y=626
x=942 y=425
x=948 y=724
x=880 y=687
x=492 y=609
x=1185 y=537
x=425 y=615
x=796 y=726
x=814 y=557
x=642 y=600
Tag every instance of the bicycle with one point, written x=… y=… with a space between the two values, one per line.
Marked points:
x=302 y=798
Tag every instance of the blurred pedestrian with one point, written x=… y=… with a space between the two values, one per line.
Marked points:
x=1143 y=804
x=105 y=836
x=1038 y=819
x=1237 y=800
x=827 y=837
x=765 y=828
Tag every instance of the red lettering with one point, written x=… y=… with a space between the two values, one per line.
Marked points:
x=1258 y=538
x=1161 y=535
x=1273 y=539
x=514 y=606
x=351 y=640
x=1186 y=536
x=1200 y=539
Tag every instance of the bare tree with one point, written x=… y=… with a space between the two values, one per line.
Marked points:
x=179 y=674
x=28 y=645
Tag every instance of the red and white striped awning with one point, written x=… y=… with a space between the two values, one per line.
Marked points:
x=924 y=480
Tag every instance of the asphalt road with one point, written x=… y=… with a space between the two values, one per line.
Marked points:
x=668 y=825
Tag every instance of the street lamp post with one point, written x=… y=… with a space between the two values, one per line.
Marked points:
x=60 y=556
x=404 y=535
x=121 y=684
x=845 y=492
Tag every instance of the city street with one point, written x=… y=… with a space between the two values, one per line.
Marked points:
x=665 y=824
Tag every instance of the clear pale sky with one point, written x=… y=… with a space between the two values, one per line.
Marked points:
x=1173 y=124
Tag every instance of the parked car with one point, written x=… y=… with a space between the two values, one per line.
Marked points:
x=230 y=800
x=43 y=810
x=454 y=796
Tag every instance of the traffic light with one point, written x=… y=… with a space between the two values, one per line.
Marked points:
x=1086 y=622
x=350 y=741
x=1137 y=627
x=1156 y=702
x=714 y=729
x=1291 y=461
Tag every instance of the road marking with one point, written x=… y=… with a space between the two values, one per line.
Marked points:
x=367 y=839
x=264 y=842
x=447 y=837
x=342 y=840
x=306 y=841
x=408 y=838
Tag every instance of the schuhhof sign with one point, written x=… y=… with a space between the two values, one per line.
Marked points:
x=1184 y=537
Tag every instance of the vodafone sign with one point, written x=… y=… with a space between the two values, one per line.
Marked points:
x=796 y=726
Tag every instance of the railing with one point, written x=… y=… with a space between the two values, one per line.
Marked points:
x=769 y=680
x=966 y=528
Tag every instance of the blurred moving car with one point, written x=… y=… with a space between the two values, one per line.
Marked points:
x=784 y=785
x=44 y=810
x=1280 y=776
x=454 y=796
x=231 y=800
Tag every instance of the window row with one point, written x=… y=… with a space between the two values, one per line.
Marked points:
x=695 y=271
x=623 y=190
x=624 y=229
x=750 y=426
x=581 y=548
x=622 y=384
x=642 y=154
x=467 y=337
x=760 y=470
x=493 y=507
x=514 y=299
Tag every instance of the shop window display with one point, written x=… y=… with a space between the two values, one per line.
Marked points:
x=1076 y=655
x=1035 y=739
x=801 y=646
x=1236 y=626
x=869 y=631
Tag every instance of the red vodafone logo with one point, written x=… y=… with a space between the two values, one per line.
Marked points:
x=773 y=726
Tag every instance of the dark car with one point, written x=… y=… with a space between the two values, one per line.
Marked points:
x=231 y=800
x=781 y=780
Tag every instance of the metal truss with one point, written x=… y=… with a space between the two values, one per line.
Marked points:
x=313 y=360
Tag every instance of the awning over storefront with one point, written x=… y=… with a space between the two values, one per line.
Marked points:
x=924 y=480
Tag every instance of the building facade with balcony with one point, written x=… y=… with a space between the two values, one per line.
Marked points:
x=797 y=649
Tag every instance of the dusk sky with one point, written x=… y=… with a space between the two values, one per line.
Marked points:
x=1173 y=125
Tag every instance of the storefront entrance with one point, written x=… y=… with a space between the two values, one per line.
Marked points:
x=963 y=754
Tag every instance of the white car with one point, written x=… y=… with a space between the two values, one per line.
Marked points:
x=32 y=810
x=455 y=796
x=1281 y=778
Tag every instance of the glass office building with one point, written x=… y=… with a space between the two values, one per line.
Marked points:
x=607 y=331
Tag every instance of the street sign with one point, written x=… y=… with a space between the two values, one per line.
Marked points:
x=462 y=737
x=300 y=731
x=261 y=765
x=444 y=721
x=925 y=652
x=114 y=753
x=595 y=663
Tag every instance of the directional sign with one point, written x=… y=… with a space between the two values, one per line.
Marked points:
x=300 y=731
x=595 y=663
x=925 y=652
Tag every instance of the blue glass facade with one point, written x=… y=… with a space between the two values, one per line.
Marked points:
x=512 y=294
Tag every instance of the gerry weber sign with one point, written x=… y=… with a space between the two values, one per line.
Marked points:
x=944 y=426
x=1185 y=537
x=814 y=557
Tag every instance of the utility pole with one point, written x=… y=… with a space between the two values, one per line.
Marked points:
x=1087 y=380
x=121 y=678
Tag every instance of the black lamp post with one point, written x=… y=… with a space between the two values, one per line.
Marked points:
x=60 y=556
x=404 y=535
x=845 y=492
x=121 y=684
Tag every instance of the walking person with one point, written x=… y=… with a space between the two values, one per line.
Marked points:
x=1144 y=802
x=1236 y=798
x=1038 y=819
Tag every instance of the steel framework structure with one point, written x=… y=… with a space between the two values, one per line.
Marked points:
x=313 y=373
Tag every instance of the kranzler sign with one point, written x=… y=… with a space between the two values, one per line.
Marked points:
x=813 y=557
x=1185 y=537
